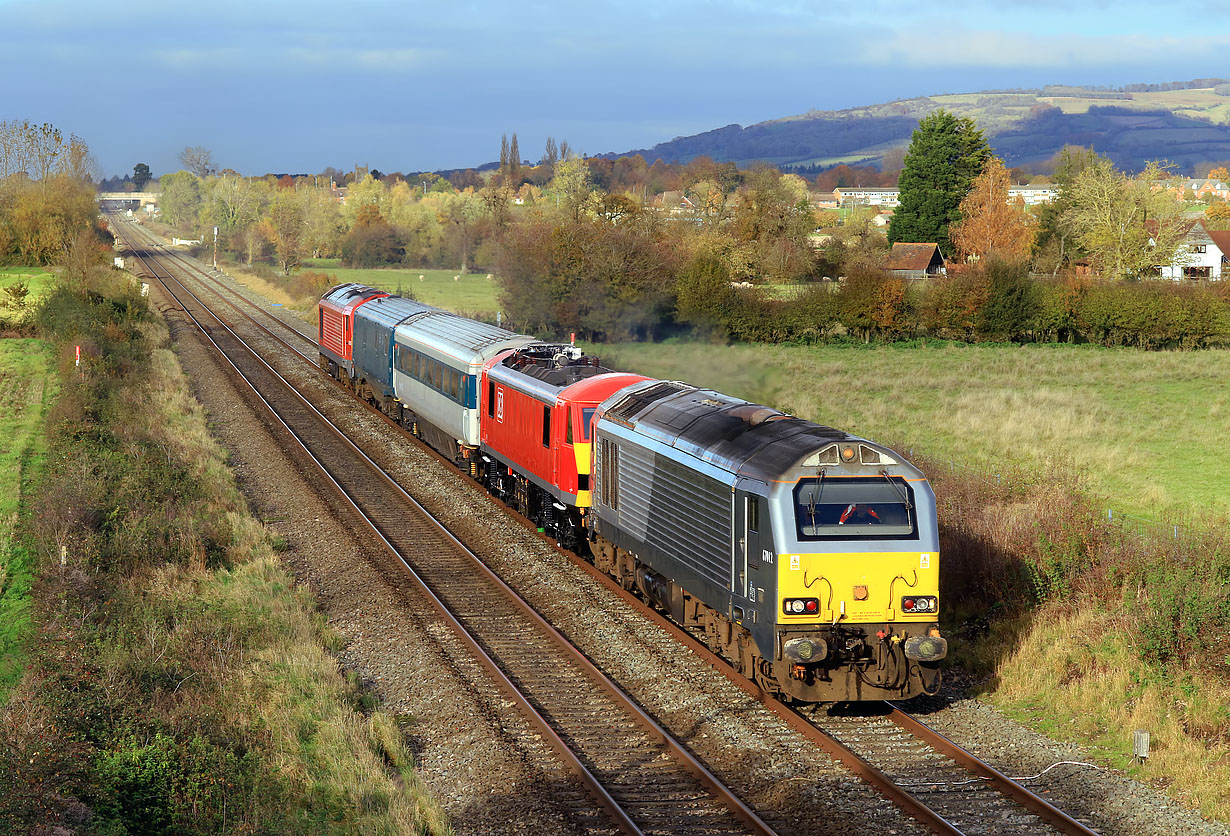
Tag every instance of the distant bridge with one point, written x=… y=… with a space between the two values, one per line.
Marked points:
x=142 y=197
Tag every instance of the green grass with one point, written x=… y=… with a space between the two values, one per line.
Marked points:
x=26 y=389
x=472 y=293
x=1144 y=428
x=37 y=280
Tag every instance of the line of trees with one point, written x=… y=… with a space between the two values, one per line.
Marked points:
x=46 y=192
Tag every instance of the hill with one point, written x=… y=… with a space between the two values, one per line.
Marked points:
x=1187 y=123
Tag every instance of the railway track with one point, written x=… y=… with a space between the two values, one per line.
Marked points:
x=942 y=786
x=637 y=773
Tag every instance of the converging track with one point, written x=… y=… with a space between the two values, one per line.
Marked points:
x=643 y=779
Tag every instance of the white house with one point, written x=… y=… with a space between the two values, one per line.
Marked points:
x=847 y=195
x=1033 y=195
x=1202 y=255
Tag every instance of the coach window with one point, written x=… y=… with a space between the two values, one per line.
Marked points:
x=546 y=426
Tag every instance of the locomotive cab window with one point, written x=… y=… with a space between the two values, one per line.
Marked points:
x=546 y=426
x=490 y=398
x=587 y=417
x=847 y=509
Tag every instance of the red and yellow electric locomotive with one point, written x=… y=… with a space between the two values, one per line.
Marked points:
x=535 y=425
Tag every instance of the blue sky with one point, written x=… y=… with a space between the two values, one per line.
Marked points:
x=407 y=85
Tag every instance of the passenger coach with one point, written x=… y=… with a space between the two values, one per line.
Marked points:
x=437 y=362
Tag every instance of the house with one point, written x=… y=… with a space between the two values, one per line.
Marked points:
x=883 y=219
x=1201 y=255
x=823 y=200
x=860 y=196
x=1206 y=188
x=915 y=261
x=1033 y=195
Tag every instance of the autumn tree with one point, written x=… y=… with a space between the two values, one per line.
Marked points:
x=285 y=229
x=1055 y=243
x=992 y=223
x=774 y=216
x=1126 y=225
x=1217 y=216
x=181 y=199
x=946 y=153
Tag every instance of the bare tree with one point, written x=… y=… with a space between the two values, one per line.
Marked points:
x=77 y=162
x=198 y=160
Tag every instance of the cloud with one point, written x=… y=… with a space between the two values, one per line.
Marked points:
x=1001 y=49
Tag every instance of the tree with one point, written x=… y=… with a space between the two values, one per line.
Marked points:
x=992 y=223
x=514 y=161
x=1127 y=226
x=570 y=187
x=946 y=153
x=140 y=176
x=1055 y=245
x=1217 y=216
x=198 y=160
x=286 y=228
x=181 y=199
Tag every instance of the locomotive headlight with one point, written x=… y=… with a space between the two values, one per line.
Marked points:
x=848 y=454
x=796 y=606
x=926 y=648
x=806 y=650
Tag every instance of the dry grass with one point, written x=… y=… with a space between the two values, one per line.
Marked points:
x=1076 y=676
x=175 y=630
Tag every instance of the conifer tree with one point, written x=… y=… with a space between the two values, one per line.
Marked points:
x=946 y=153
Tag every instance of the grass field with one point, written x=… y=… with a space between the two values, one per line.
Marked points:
x=26 y=389
x=1144 y=428
x=471 y=293
x=36 y=279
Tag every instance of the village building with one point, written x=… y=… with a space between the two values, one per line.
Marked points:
x=1202 y=255
x=1033 y=195
x=916 y=261
x=860 y=196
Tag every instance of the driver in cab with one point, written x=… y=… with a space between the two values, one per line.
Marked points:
x=858 y=514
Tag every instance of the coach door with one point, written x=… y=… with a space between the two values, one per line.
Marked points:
x=750 y=521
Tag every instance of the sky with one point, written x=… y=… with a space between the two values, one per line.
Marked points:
x=403 y=85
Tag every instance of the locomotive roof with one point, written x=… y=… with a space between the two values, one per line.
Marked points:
x=736 y=435
x=344 y=293
x=345 y=297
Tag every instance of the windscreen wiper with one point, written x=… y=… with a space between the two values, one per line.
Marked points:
x=900 y=489
x=815 y=498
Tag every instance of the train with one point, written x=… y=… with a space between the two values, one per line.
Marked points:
x=806 y=556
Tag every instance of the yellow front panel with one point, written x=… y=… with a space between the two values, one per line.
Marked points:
x=581 y=451
x=833 y=578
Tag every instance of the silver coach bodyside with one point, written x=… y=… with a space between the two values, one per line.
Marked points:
x=438 y=362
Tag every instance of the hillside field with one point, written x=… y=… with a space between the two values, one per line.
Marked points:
x=1145 y=429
